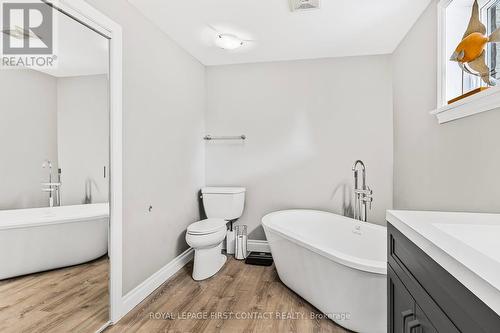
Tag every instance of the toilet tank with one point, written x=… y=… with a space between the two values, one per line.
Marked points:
x=223 y=202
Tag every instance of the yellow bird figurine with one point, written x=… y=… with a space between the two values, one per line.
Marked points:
x=470 y=53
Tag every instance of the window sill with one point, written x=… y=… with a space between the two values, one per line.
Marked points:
x=484 y=101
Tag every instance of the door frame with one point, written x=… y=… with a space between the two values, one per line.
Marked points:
x=89 y=16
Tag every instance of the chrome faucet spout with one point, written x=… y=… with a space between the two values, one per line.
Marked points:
x=358 y=162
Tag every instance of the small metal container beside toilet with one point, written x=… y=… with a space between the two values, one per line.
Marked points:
x=241 y=242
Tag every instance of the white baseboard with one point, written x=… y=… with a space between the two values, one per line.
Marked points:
x=139 y=293
x=254 y=245
x=258 y=246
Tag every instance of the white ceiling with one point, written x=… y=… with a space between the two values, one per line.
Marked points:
x=80 y=51
x=338 y=28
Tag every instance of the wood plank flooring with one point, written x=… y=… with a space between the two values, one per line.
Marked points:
x=221 y=304
x=73 y=299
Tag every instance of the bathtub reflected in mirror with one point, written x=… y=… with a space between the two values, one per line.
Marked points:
x=54 y=193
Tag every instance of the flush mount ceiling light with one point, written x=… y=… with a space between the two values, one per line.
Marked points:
x=19 y=33
x=228 y=41
x=298 y=5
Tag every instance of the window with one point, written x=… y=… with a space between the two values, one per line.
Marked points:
x=458 y=82
x=458 y=13
x=453 y=19
x=492 y=11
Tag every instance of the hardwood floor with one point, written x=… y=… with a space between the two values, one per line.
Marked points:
x=73 y=299
x=222 y=302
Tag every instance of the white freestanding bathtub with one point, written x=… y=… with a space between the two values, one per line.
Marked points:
x=335 y=263
x=40 y=239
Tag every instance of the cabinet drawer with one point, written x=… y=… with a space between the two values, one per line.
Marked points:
x=431 y=285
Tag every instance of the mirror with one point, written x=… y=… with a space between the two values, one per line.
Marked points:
x=54 y=193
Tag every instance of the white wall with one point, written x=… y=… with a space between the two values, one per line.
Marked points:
x=438 y=167
x=28 y=136
x=83 y=138
x=306 y=122
x=163 y=106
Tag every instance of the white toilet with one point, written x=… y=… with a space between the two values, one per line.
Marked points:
x=222 y=204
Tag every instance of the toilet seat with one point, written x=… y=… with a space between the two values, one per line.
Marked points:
x=207 y=226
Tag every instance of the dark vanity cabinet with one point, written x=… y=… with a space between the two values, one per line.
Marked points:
x=405 y=314
x=424 y=298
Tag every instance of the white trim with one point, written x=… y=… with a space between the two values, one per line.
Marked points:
x=258 y=246
x=85 y=13
x=116 y=176
x=139 y=293
x=484 y=101
x=253 y=245
x=103 y=327
x=441 y=47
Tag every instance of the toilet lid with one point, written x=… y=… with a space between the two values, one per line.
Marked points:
x=207 y=226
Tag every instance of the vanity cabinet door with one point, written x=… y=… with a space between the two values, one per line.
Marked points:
x=401 y=306
x=450 y=306
x=421 y=323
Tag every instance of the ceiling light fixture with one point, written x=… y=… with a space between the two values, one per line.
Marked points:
x=301 y=5
x=228 y=41
x=19 y=33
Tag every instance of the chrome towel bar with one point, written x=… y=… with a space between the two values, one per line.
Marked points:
x=239 y=137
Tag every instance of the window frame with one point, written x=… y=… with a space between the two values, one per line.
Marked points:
x=484 y=101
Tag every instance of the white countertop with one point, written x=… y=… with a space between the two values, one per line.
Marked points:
x=465 y=244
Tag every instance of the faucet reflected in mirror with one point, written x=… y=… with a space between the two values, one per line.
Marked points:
x=362 y=195
x=53 y=188
x=55 y=228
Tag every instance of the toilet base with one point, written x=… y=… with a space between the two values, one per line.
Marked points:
x=207 y=262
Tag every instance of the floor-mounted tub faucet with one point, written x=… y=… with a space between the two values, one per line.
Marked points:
x=53 y=188
x=363 y=194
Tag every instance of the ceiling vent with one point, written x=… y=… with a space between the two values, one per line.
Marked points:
x=299 y=5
